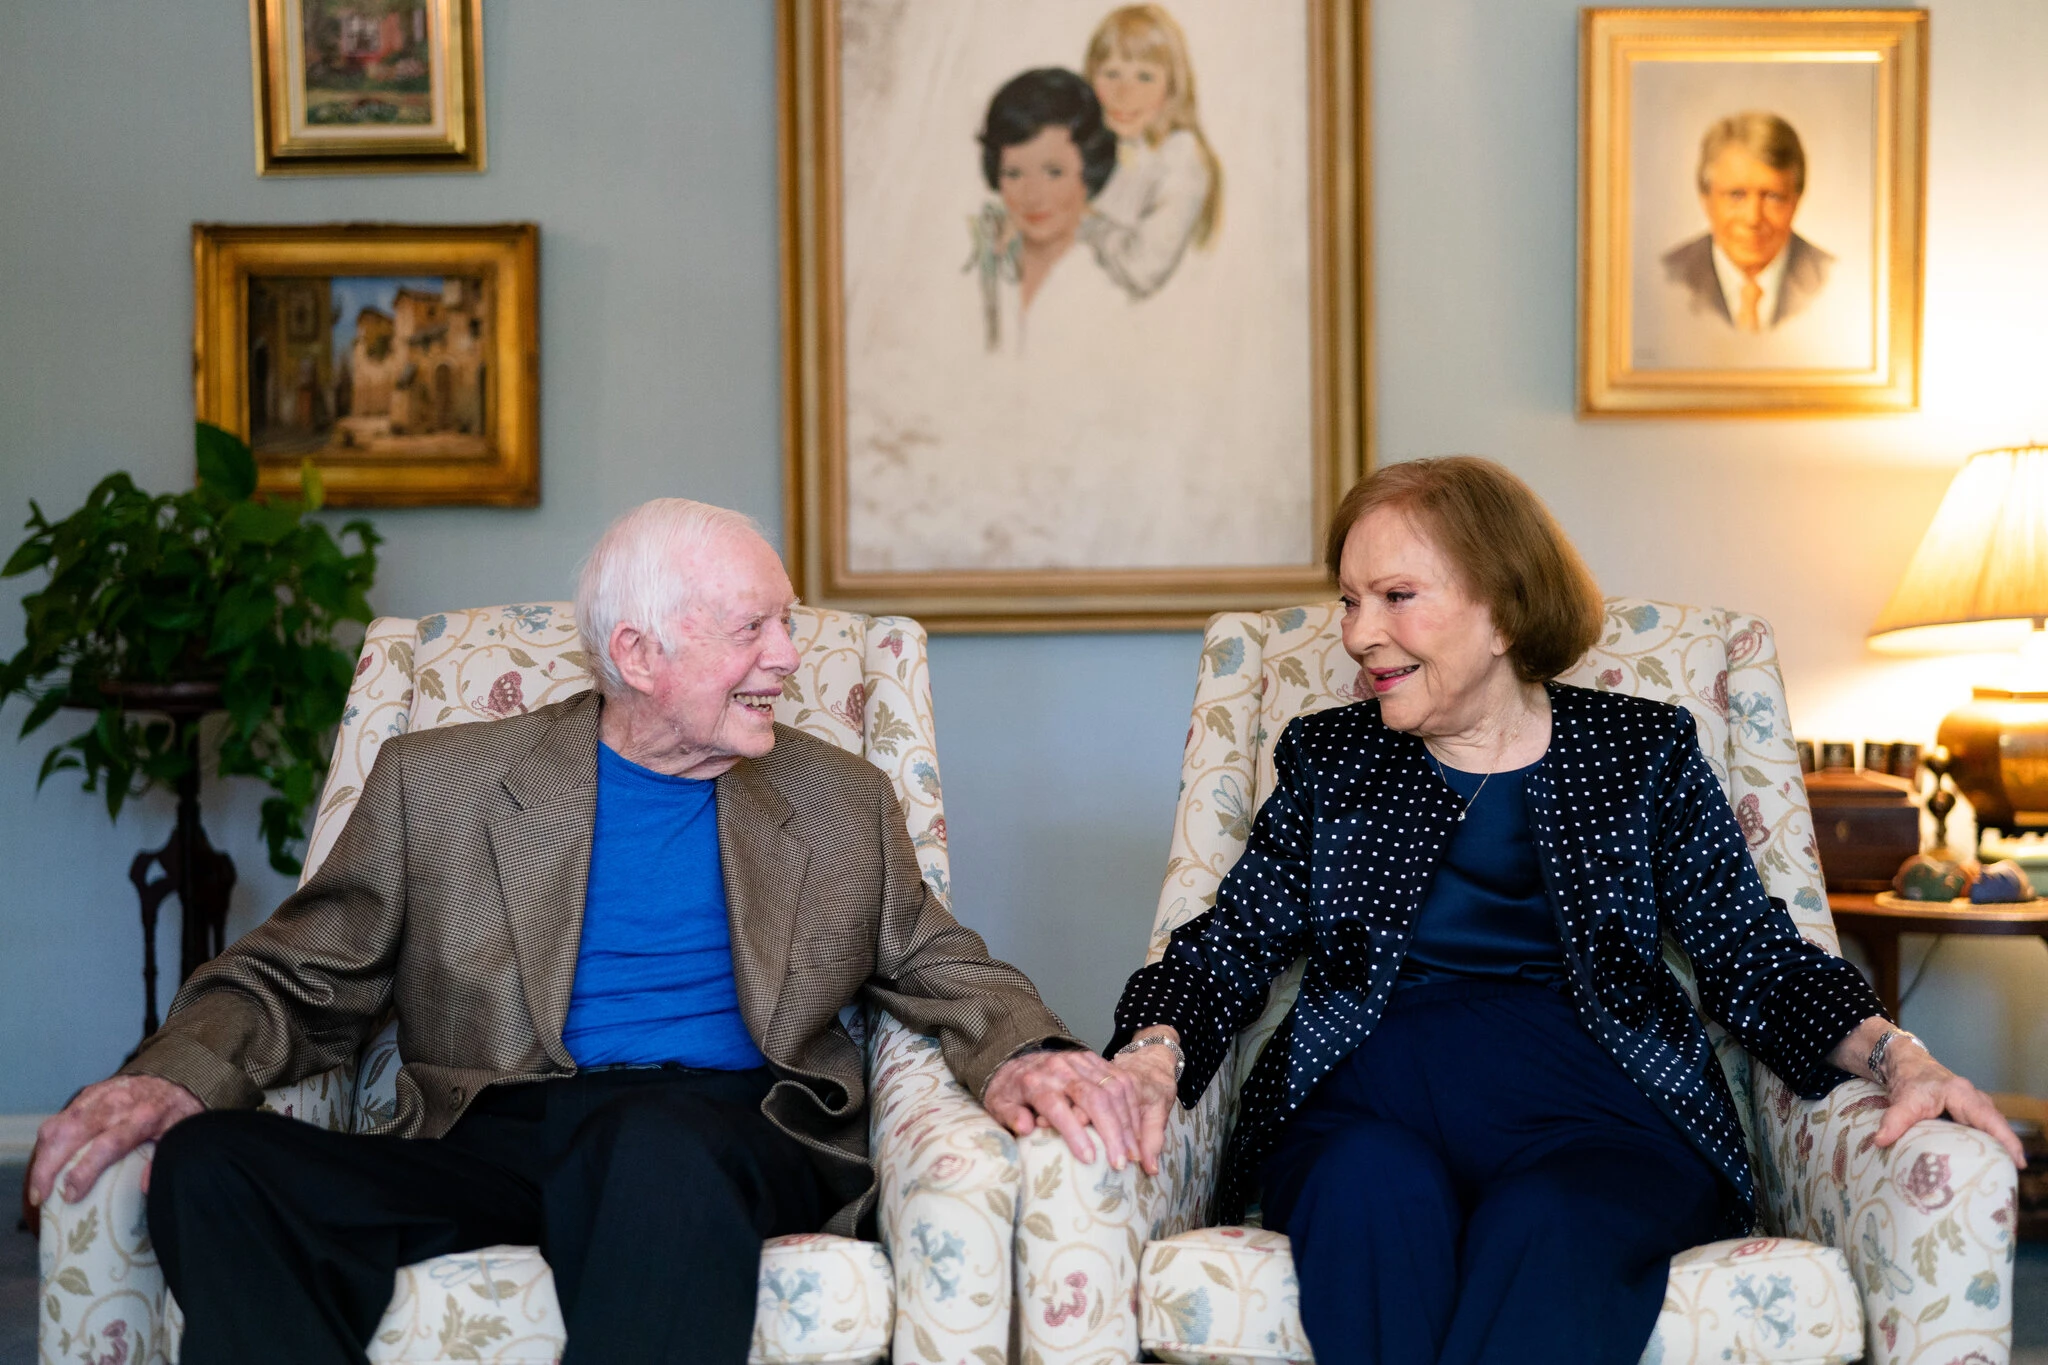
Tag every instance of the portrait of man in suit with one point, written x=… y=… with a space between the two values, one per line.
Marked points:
x=1749 y=269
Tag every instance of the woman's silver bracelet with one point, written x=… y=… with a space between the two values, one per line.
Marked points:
x=1881 y=1048
x=1180 y=1059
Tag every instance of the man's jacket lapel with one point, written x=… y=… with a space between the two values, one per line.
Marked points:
x=542 y=846
x=764 y=868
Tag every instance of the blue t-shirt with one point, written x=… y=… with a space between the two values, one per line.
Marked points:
x=654 y=978
x=1487 y=912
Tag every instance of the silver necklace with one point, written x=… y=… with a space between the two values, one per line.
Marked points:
x=1466 y=803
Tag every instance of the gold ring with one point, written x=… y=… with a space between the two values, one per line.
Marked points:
x=1103 y=1079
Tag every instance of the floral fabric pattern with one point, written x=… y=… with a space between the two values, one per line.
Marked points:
x=949 y=1173
x=495 y=1304
x=948 y=1207
x=823 y=1300
x=1920 y=1238
x=1764 y=1299
x=1222 y=1296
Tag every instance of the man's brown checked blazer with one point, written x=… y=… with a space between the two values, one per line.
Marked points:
x=455 y=896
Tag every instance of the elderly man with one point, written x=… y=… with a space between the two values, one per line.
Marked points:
x=617 y=933
x=1750 y=269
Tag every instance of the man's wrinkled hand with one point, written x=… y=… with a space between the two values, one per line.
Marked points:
x=105 y=1121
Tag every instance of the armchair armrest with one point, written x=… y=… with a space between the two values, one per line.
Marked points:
x=103 y=1294
x=1927 y=1226
x=1085 y=1225
x=948 y=1208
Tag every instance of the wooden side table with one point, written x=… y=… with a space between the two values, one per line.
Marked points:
x=1877 y=928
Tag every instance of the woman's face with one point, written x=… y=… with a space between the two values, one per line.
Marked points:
x=1042 y=187
x=1132 y=94
x=1429 y=651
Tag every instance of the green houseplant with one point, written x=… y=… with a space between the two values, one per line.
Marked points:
x=209 y=587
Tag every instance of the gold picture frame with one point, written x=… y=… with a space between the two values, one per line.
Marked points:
x=1332 y=336
x=403 y=361
x=1783 y=277
x=355 y=87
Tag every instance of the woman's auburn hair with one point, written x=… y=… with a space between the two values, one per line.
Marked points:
x=1502 y=542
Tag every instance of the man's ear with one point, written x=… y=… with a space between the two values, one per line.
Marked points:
x=633 y=652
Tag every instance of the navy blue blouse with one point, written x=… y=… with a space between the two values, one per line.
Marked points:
x=1487 y=913
x=1635 y=839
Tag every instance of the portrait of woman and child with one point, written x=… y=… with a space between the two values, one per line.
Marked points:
x=1078 y=305
x=1111 y=159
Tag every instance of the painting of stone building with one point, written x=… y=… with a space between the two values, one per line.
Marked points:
x=369 y=368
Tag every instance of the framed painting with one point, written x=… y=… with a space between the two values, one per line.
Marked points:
x=403 y=361
x=353 y=87
x=1752 y=191
x=1075 y=305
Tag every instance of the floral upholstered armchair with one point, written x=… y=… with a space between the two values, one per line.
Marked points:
x=939 y=1284
x=1899 y=1257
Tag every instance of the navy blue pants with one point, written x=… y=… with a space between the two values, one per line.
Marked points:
x=1480 y=1182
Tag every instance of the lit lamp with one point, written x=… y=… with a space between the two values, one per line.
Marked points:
x=1979 y=583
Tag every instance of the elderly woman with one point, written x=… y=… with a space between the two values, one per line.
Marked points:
x=1492 y=1115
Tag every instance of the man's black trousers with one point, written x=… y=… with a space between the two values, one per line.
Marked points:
x=648 y=1191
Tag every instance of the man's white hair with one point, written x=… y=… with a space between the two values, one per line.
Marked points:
x=630 y=577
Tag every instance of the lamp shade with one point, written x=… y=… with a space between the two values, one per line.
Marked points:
x=1979 y=581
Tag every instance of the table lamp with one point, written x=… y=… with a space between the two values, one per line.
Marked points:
x=1979 y=583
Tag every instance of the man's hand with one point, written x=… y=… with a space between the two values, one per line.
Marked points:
x=1126 y=1103
x=106 y=1121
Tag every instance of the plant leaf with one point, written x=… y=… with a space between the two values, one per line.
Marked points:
x=258 y=522
x=45 y=707
x=226 y=464
x=311 y=486
x=30 y=554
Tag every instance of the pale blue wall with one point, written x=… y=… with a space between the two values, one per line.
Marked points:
x=640 y=135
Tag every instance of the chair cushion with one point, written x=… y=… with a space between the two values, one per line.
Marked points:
x=823 y=1301
x=1228 y=1296
x=1771 y=1300
x=1221 y=1296
x=495 y=1304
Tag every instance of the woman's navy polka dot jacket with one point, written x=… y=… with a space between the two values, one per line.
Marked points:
x=1635 y=837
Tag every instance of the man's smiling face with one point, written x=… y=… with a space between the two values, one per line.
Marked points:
x=714 y=689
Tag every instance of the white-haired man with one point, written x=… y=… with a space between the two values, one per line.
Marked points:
x=617 y=933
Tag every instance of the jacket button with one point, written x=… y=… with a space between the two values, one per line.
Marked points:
x=456 y=1095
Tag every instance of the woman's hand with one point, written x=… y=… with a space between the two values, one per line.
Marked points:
x=1919 y=1088
x=1153 y=1093
x=1922 y=1088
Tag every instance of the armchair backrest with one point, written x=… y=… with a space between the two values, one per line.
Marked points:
x=1259 y=670
x=862 y=682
